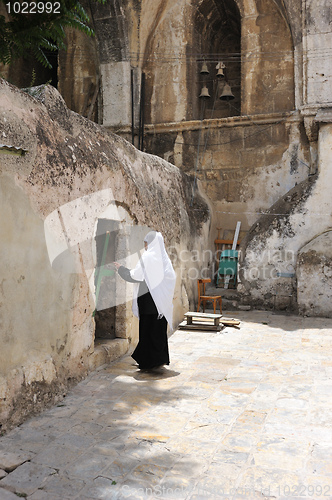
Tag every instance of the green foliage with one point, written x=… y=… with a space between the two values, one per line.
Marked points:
x=39 y=33
x=33 y=78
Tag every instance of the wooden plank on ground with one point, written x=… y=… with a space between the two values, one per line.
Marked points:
x=206 y=321
x=230 y=322
x=199 y=326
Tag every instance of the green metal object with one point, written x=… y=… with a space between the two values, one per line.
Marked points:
x=102 y=270
x=228 y=265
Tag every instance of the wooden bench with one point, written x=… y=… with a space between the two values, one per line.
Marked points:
x=201 y=321
x=202 y=316
x=205 y=321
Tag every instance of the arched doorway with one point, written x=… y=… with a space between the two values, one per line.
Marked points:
x=106 y=244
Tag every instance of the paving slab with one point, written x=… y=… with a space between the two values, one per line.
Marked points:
x=10 y=461
x=27 y=478
x=7 y=495
x=242 y=413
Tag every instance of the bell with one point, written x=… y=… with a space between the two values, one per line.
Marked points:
x=204 y=70
x=227 y=94
x=204 y=93
x=220 y=67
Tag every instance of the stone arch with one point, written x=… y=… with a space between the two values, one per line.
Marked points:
x=178 y=36
x=164 y=56
x=216 y=38
x=112 y=295
x=106 y=237
x=267 y=58
x=252 y=36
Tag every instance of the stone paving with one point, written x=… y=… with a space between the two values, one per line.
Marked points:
x=239 y=414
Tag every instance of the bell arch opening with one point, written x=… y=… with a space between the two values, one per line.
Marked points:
x=216 y=42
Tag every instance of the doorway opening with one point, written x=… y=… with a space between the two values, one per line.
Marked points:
x=105 y=282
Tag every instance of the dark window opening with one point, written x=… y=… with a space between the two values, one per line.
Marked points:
x=106 y=243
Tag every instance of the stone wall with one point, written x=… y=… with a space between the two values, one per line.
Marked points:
x=284 y=263
x=314 y=277
x=250 y=153
x=245 y=164
x=247 y=152
x=168 y=40
x=73 y=174
x=285 y=249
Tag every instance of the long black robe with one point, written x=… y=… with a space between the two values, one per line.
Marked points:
x=152 y=347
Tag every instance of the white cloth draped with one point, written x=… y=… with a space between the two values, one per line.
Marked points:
x=156 y=269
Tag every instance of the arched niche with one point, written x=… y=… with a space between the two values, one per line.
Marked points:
x=216 y=38
x=251 y=37
x=267 y=58
x=179 y=38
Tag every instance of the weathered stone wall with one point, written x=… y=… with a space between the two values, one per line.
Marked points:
x=245 y=163
x=248 y=164
x=268 y=254
x=271 y=274
x=73 y=174
x=317 y=41
x=314 y=277
x=268 y=59
x=79 y=74
x=168 y=40
x=289 y=242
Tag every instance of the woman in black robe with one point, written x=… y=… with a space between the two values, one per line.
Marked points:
x=153 y=301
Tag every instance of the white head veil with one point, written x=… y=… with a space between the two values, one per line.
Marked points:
x=156 y=269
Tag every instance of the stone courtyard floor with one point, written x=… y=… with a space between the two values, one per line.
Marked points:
x=239 y=414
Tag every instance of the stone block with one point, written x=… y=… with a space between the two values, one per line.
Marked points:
x=62 y=487
x=2 y=474
x=273 y=154
x=226 y=158
x=7 y=495
x=212 y=175
x=234 y=191
x=252 y=158
x=27 y=478
x=116 y=101
x=216 y=192
x=207 y=160
x=279 y=133
x=257 y=136
x=90 y=465
x=107 y=351
x=236 y=138
x=10 y=461
x=282 y=100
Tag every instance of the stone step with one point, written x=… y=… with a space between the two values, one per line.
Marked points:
x=107 y=350
x=231 y=299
